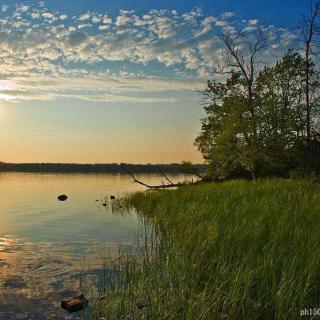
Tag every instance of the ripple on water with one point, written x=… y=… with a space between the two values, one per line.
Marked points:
x=35 y=274
x=41 y=275
x=16 y=282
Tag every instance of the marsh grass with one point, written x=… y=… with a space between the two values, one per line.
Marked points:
x=233 y=250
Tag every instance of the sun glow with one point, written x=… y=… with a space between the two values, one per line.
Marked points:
x=6 y=88
x=6 y=97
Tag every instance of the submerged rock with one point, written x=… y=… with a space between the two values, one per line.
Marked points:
x=62 y=197
x=74 y=304
x=15 y=282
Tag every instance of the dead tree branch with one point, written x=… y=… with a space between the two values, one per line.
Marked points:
x=162 y=186
x=242 y=51
x=162 y=173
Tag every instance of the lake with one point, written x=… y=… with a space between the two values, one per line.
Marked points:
x=51 y=249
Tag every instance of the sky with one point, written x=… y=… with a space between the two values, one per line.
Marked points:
x=117 y=81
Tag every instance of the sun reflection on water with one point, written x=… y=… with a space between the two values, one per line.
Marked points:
x=6 y=243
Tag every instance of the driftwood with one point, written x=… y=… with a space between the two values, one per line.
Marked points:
x=169 y=184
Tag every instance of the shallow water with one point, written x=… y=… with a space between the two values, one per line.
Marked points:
x=51 y=249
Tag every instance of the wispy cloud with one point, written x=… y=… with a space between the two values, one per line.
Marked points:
x=94 y=56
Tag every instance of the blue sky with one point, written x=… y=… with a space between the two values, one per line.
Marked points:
x=283 y=13
x=99 y=74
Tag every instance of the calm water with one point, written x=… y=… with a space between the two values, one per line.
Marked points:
x=51 y=249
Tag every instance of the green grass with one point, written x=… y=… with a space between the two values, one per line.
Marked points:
x=232 y=250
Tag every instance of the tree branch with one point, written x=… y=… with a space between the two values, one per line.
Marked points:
x=163 y=186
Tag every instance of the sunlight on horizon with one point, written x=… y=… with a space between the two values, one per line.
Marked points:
x=97 y=83
x=6 y=97
x=7 y=86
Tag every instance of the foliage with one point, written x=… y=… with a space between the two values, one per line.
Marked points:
x=189 y=168
x=263 y=134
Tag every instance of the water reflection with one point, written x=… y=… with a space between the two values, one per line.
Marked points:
x=50 y=250
x=36 y=276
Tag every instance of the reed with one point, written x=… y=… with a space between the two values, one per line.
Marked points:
x=232 y=250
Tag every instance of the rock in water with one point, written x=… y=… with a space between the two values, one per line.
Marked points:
x=62 y=197
x=74 y=304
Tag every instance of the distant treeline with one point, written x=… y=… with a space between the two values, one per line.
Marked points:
x=94 y=168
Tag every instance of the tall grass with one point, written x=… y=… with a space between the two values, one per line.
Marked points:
x=234 y=250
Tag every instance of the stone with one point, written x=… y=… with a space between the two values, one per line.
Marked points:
x=74 y=304
x=62 y=197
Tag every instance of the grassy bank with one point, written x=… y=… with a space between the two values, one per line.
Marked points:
x=234 y=250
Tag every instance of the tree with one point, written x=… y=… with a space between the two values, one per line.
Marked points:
x=232 y=128
x=280 y=94
x=310 y=32
x=242 y=54
x=228 y=137
x=260 y=133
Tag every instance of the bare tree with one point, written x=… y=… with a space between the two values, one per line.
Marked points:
x=242 y=54
x=310 y=30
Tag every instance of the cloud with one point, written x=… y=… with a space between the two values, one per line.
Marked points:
x=125 y=17
x=85 y=25
x=163 y=27
x=75 y=39
x=84 y=16
x=142 y=50
x=96 y=88
x=228 y=14
x=96 y=19
x=221 y=23
x=106 y=19
x=132 y=99
x=104 y=27
x=35 y=15
x=253 y=22
x=208 y=24
x=23 y=8
x=48 y=15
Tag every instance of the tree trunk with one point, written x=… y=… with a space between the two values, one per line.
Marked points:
x=308 y=111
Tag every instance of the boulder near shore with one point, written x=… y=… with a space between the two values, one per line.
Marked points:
x=74 y=304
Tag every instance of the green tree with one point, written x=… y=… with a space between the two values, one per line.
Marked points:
x=264 y=133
